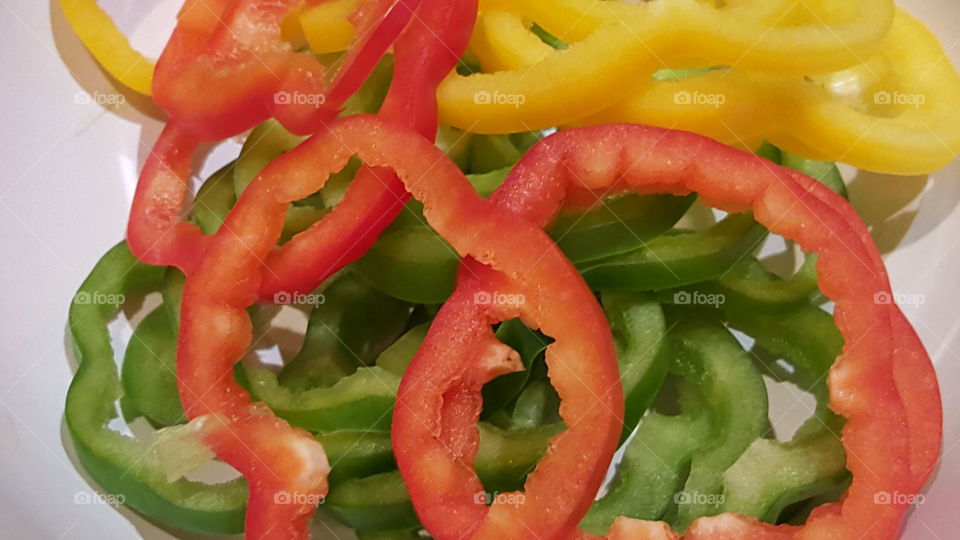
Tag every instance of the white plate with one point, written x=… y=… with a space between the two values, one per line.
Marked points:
x=67 y=175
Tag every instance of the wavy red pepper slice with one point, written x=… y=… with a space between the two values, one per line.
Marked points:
x=236 y=48
x=215 y=329
x=424 y=55
x=285 y=468
x=883 y=383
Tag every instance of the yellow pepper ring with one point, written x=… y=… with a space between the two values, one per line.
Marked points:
x=630 y=42
x=325 y=27
x=903 y=116
x=108 y=45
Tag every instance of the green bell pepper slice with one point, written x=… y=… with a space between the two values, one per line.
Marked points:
x=620 y=225
x=374 y=503
x=148 y=373
x=410 y=261
x=723 y=406
x=678 y=258
x=120 y=464
x=354 y=454
x=350 y=328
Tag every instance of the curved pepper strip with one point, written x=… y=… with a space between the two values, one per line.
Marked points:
x=148 y=373
x=672 y=260
x=425 y=53
x=890 y=401
x=108 y=45
x=895 y=113
x=724 y=408
x=237 y=47
x=349 y=329
x=771 y=475
x=617 y=46
x=738 y=404
x=121 y=464
x=154 y=231
x=207 y=350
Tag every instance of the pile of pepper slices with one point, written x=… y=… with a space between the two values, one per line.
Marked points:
x=477 y=353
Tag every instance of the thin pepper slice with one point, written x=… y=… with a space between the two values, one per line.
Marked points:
x=120 y=464
x=108 y=45
x=895 y=112
x=148 y=373
x=424 y=54
x=724 y=408
x=605 y=53
x=866 y=380
x=154 y=231
x=671 y=260
x=349 y=328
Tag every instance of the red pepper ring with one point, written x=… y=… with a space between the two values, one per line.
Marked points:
x=236 y=47
x=423 y=56
x=215 y=329
x=883 y=382
x=425 y=53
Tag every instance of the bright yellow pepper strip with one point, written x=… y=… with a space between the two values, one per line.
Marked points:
x=615 y=46
x=108 y=45
x=324 y=27
x=898 y=113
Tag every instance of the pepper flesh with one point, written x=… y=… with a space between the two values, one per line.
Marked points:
x=895 y=113
x=120 y=464
x=154 y=231
x=869 y=386
x=617 y=46
x=108 y=45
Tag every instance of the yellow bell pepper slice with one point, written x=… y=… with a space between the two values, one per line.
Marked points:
x=324 y=27
x=108 y=45
x=898 y=113
x=614 y=46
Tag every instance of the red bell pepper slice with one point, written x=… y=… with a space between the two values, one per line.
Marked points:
x=235 y=47
x=285 y=468
x=423 y=56
x=883 y=383
x=215 y=329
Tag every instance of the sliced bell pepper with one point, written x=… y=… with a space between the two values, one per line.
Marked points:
x=148 y=373
x=869 y=386
x=350 y=328
x=895 y=113
x=617 y=46
x=258 y=87
x=424 y=54
x=121 y=464
x=672 y=260
x=108 y=45
x=724 y=406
